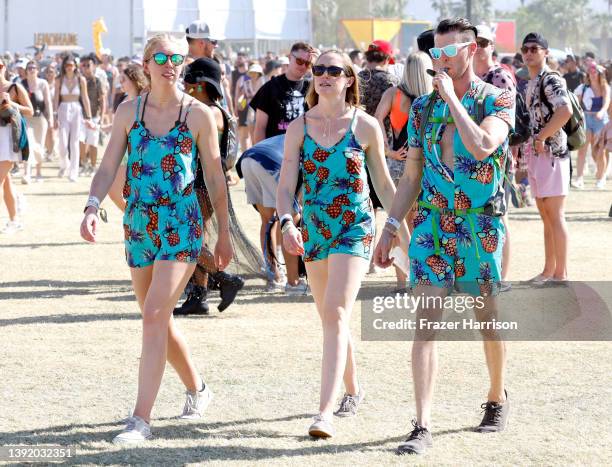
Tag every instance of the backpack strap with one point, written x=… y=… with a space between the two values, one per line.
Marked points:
x=426 y=114
x=543 y=98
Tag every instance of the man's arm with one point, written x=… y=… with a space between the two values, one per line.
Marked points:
x=261 y=121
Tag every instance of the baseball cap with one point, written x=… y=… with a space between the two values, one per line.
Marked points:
x=21 y=63
x=198 y=30
x=485 y=32
x=204 y=70
x=283 y=60
x=255 y=68
x=425 y=40
x=536 y=38
x=384 y=47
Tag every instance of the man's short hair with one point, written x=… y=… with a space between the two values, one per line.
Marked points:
x=354 y=53
x=589 y=55
x=301 y=46
x=460 y=25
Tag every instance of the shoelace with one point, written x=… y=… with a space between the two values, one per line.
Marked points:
x=492 y=412
x=418 y=432
x=347 y=404
x=190 y=403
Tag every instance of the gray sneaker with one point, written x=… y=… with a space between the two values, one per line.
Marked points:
x=196 y=404
x=495 y=416
x=418 y=441
x=321 y=428
x=349 y=404
x=136 y=431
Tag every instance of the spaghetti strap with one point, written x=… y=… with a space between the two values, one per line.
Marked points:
x=352 y=125
x=187 y=111
x=138 y=106
x=144 y=108
x=305 y=125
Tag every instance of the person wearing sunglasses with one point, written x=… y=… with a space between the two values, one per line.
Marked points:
x=199 y=39
x=548 y=161
x=281 y=100
x=330 y=147
x=453 y=172
x=165 y=133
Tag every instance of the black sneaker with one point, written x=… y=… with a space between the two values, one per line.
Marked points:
x=195 y=304
x=418 y=441
x=495 y=416
x=229 y=285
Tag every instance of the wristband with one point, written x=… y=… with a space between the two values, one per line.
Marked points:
x=92 y=201
x=392 y=221
x=286 y=217
x=393 y=233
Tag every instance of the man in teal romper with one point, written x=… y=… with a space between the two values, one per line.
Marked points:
x=458 y=137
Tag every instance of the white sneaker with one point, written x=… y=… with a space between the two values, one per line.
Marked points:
x=26 y=180
x=301 y=288
x=11 y=227
x=196 y=404
x=274 y=286
x=578 y=183
x=39 y=179
x=136 y=431
x=61 y=172
x=73 y=179
x=600 y=184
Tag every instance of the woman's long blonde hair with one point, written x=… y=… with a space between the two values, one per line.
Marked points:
x=158 y=39
x=352 y=92
x=415 y=80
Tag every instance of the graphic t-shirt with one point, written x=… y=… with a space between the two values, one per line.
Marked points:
x=283 y=101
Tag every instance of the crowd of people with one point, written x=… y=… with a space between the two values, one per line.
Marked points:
x=444 y=139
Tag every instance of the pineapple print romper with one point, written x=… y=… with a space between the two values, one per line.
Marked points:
x=162 y=219
x=337 y=216
x=456 y=243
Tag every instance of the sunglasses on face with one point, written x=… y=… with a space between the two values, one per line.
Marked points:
x=450 y=50
x=31 y=68
x=533 y=49
x=302 y=62
x=333 y=71
x=213 y=41
x=161 y=58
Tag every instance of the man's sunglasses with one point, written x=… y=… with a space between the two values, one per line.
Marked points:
x=213 y=41
x=161 y=58
x=333 y=71
x=449 y=50
x=533 y=49
x=302 y=62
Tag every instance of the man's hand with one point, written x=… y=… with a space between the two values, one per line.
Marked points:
x=444 y=85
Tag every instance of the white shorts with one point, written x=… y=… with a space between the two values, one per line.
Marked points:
x=89 y=136
x=548 y=176
x=259 y=184
x=6 y=146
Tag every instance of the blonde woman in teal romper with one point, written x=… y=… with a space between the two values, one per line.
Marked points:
x=162 y=222
x=330 y=148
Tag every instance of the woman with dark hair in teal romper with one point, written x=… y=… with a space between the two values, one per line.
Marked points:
x=330 y=146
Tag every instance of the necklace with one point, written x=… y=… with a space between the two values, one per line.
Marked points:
x=327 y=126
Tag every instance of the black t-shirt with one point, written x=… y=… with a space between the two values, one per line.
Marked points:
x=574 y=79
x=283 y=100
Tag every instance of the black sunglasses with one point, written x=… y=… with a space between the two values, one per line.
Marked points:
x=301 y=61
x=213 y=41
x=333 y=71
x=533 y=49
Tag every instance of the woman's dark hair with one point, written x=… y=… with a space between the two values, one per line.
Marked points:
x=68 y=58
x=212 y=92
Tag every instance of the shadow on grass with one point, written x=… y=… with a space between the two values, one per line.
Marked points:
x=61 y=289
x=59 y=244
x=82 y=438
x=67 y=318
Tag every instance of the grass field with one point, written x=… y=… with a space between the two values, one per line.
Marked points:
x=71 y=342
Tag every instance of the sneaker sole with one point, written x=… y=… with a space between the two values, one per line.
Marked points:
x=320 y=434
x=131 y=441
x=198 y=417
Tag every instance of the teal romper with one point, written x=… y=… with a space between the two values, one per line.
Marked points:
x=162 y=219
x=337 y=216
x=457 y=242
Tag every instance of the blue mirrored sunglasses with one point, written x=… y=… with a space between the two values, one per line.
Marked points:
x=449 y=50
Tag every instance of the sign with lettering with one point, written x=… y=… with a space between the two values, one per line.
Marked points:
x=55 y=38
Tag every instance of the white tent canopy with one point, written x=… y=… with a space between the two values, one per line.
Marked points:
x=232 y=19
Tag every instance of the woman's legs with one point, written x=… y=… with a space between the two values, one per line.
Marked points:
x=555 y=209
x=7 y=193
x=75 y=154
x=266 y=215
x=506 y=249
x=157 y=289
x=116 y=190
x=581 y=159
x=344 y=274
x=64 y=135
x=244 y=137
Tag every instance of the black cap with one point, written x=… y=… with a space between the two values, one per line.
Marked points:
x=536 y=38
x=425 y=40
x=204 y=70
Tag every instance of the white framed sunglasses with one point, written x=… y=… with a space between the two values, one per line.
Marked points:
x=450 y=50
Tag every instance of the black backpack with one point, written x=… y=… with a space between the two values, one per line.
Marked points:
x=522 y=130
x=229 y=141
